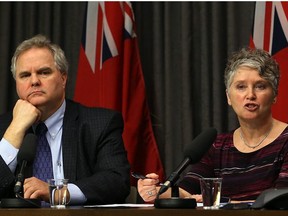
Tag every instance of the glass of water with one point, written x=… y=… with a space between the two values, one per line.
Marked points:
x=211 y=192
x=58 y=193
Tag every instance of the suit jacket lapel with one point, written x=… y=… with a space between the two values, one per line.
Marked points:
x=69 y=140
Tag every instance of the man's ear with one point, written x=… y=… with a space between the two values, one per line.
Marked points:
x=64 y=78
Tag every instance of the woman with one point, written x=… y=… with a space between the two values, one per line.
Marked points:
x=251 y=158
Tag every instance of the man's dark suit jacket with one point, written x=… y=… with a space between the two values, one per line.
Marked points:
x=94 y=157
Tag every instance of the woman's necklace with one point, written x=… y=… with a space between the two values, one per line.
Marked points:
x=259 y=143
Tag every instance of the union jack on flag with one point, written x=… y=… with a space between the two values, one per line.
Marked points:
x=99 y=43
x=270 y=32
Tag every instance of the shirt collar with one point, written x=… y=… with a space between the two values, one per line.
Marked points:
x=54 y=122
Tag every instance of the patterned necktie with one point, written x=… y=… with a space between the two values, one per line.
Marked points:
x=42 y=166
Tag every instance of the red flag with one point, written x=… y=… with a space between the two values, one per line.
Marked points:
x=270 y=32
x=110 y=75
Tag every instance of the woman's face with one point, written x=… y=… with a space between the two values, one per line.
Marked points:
x=250 y=96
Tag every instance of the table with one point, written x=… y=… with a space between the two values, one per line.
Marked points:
x=149 y=211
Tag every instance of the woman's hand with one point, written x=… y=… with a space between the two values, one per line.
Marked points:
x=147 y=187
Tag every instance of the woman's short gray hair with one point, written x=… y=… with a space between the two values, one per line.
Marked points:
x=257 y=59
x=41 y=41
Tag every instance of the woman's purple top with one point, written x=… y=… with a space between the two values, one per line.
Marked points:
x=245 y=175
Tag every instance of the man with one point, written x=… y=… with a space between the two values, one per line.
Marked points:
x=86 y=143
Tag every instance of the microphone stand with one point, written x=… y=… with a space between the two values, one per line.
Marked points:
x=25 y=155
x=20 y=201
x=175 y=201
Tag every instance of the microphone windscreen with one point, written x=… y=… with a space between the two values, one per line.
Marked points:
x=200 y=145
x=27 y=150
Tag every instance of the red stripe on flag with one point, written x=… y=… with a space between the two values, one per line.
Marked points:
x=285 y=8
x=267 y=28
x=128 y=10
x=99 y=40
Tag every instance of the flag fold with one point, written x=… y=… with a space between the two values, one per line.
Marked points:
x=110 y=75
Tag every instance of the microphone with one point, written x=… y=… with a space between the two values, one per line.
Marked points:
x=194 y=152
x=25 y=156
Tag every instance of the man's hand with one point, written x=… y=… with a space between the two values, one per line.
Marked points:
x=24 y=115
x=36 y=189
